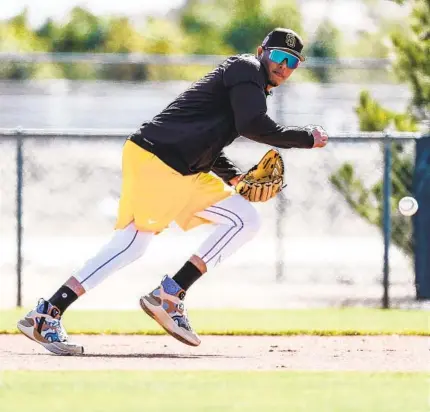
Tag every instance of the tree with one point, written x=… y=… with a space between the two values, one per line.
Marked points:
x=325 y=46
x=253 y=19
x=412 y=65
x=84 y=32
x=16 y=35
x=368 y=202
x=49 y=32
x=204 y=24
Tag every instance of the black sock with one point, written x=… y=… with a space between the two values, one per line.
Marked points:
x=63 y=298
x=187 y=275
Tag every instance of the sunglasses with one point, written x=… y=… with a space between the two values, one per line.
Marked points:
x=278 y=56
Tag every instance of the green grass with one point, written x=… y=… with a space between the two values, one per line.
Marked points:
x=158 y=391
x=348 y=321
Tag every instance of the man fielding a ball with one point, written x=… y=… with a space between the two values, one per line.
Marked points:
x=167 y=178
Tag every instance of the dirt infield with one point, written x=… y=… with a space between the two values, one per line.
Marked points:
x=366 y=353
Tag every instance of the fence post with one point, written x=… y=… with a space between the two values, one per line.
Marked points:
x=280 y=212
x=387 y=220
x=19 y=187
x=280 y=204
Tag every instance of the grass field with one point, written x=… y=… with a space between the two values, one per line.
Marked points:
x=349 y=321
x=117 y=390
x=212 y=391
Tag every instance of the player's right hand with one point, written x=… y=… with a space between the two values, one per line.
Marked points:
x=319 y=134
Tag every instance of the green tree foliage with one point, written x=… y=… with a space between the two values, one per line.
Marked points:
x=236 y=26
x=373 y=117
x=253 y=19
x=325 y=46
x=164 y=37
x=49 y=32
x=220 y=27
x=368 y=202
x=121 y=37
x=412 y=65
x=412 y=50
x=204 y=23
x=84 y=32
x=16 y=35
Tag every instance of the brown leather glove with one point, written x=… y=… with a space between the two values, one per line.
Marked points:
x=264 y=180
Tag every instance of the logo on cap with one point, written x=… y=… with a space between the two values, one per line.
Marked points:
x=290 y=40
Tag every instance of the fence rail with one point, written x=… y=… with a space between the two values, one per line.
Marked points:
x=118 y=133
x=22 y=134
x=157 y=59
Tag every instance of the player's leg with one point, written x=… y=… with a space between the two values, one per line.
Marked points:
x=236 y=222
x=152 y=194
x=43 y=324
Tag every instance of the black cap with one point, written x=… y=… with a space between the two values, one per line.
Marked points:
x=285 y=39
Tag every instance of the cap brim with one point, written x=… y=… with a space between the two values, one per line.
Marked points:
x=301 y=58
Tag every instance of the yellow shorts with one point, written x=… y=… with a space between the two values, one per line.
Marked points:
x=153 y=194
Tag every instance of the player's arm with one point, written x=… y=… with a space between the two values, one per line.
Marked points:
x=249 y=106
x=226 y=169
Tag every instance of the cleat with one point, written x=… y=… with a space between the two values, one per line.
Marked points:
x=43 y=325
x=165 y=305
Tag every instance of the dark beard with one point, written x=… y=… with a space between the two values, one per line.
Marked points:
x=271 y=83
x=264 y=63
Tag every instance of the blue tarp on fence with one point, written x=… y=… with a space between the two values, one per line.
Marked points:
x=421 y=221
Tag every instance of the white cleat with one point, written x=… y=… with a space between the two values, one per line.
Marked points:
x=165 y=305
x=43 y=325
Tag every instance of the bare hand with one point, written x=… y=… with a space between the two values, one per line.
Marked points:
x=235 y=180
x=319 y=134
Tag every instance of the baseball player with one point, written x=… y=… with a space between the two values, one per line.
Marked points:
x=174 y=170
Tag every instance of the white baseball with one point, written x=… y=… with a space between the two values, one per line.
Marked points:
x=408 y=206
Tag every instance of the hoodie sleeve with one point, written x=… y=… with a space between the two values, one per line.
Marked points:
x=225 y=168
x=249 y=106
x=246 y=84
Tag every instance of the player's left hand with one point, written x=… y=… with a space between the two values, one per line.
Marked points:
x=236 y=180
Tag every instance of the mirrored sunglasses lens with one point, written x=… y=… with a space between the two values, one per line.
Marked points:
x=293 y=63
x=278 y=56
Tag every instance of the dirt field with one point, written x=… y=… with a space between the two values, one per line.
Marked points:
x=383 y=353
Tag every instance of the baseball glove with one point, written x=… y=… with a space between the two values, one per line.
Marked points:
x=264 y=180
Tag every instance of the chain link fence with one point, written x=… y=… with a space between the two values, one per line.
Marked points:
x=321 y=243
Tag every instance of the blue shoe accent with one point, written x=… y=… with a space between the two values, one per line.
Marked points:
x=182 y=322
x=46 y=308
x=170 y=286
x=52 y=337
x=40 y=307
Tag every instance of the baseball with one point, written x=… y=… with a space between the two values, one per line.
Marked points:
x=408 y=206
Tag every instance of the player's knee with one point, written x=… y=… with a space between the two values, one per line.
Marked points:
x=129 y=242
x=250 y=219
